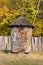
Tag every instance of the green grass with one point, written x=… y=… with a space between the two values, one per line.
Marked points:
x=33 y=58
x=37 y=53
x=24 y=62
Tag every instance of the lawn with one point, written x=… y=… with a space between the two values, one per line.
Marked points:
x=33 y=58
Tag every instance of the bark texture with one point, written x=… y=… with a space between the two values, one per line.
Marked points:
x=21 y=39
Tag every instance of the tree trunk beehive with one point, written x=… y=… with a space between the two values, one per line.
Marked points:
x=21 y=39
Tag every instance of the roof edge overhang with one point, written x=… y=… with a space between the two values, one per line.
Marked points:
x=11 y=26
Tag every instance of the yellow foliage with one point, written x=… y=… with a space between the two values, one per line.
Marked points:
x=3 y=22
x=16 y=13
x=3 y=10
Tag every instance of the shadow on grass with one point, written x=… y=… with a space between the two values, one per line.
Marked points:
x=9 y=51
x=6 y=51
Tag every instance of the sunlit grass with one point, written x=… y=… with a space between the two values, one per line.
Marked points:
x=33 y=58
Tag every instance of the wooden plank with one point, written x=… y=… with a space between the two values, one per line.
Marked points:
x=1 y=41
x=33 y=44
x=9 y=40
x=40 y=44
x=6 y=43
x=36 y=43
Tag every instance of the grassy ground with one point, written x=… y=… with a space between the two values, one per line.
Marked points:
x=33 y=58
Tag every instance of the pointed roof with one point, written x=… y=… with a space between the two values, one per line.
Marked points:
x=21 y=21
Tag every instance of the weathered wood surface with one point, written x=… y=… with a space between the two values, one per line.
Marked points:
x=36 y=45
x=21 y=39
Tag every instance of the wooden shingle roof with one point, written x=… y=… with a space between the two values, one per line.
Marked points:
x=21 y=21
